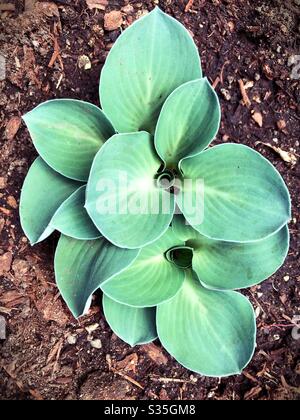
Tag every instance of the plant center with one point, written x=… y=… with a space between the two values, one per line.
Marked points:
x=166 y=180
x=180 y=256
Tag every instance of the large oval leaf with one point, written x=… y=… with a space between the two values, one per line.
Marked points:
x=230 y=265
x=150 y=59
x=122 y=197
x=151 y=279
x=245 y=198
x=72 y=219
x=188 y=122
x=81 y=267
x=212 y=333
x=133 y=325
x=67 y=134
x=43 y=192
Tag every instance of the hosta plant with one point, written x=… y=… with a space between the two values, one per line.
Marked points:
x=166 y=226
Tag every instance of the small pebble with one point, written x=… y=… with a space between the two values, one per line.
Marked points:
x=72 y=339
x=226 y=94
x=2 y=328
x=96 y=344
x=84 y=62
x=91 y=328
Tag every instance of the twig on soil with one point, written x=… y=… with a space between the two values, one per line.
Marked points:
x=245 y=96
x=54 y=352
x=248 y=376
x=59 y=349
x=222 y=72
x=6 y=311
x=59 y=81
x=257 y=302
x=216 y=82
x=288 y=157
x=189 y=5
x=170 y=380
x=279 y=326
x=56 y=53
x=128 y=378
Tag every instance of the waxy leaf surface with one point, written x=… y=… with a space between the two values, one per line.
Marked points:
x=43 y=192
x=123 y=199
x=72 y=219
x=150 y=279
x=188 y=122
x=133 y=325
x=148 y=62
x=209 y=332
x=245 y=198
x=67 y=134
x=230 y=265
x=81 y=267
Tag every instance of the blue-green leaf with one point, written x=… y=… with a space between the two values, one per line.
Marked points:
x=150 y=59
x=81 y=267
x=150 y=279
x=43 y=192
x=188 y=122
x=72 y=219
x=133 y=325
x=231 y=265
x=67 y=134
x=123 y=199
x=210 y=332
x=245 y=198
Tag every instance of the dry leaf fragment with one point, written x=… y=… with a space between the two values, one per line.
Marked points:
x=231 y=26
x=5 y=263
x=246 y=99
x=3 y=182
x=258 y=118
x=29 y=5
x=48 y=8
x=7 y=7
x=128 y=364
x=97 y=4
x=155 y=353
x=12 y=127
x=281 y=124
x=12 y=202
x=287 y=157
x=52 y=310
x=268 y=72
x=113 y=20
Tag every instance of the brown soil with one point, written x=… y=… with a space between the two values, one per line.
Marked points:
x=49 y=355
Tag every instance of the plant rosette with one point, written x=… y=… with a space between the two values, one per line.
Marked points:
x=113 y=181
